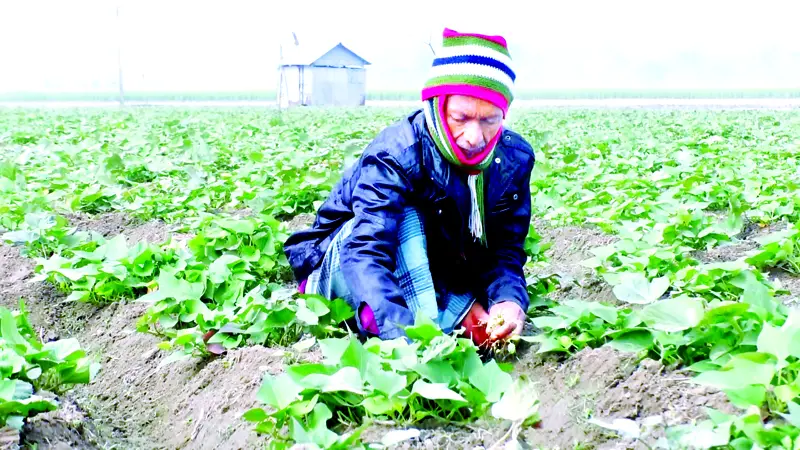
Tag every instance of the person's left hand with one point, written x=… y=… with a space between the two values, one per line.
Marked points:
x=511 y=318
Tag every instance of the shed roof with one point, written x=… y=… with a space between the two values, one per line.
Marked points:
x=309 y=54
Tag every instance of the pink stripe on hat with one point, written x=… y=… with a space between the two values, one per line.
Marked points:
x=491 y=96
x=499 y=40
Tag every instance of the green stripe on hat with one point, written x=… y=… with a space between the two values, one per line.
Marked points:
x=472 y=80
x=470 y=40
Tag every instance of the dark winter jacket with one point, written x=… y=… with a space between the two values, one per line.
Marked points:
x=400 y=167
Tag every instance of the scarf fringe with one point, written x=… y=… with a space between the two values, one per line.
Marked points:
x=475 y=222
x=474 y=180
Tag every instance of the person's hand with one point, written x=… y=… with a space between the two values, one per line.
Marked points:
x=506 y=319
x=475 y=325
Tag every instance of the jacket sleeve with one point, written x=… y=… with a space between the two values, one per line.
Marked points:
x=368 y=253
x=503 y=275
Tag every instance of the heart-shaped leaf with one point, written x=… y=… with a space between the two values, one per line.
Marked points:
x=636 y=288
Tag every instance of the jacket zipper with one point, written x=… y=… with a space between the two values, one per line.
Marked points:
x=461 y=228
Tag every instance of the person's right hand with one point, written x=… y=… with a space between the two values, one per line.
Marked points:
x=475 y=325
x=511 y=318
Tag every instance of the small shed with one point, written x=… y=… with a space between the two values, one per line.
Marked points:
x=321 y=75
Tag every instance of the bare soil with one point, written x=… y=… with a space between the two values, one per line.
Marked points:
x=606 y=384
x=745 y=243
x=66 y=428
x=788 y=282
x=652 y=391
x=300 y=222
x=569 y=246
x=112 y=224
x=741 y=245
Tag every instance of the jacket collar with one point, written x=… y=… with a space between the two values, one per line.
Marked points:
x=433 y=163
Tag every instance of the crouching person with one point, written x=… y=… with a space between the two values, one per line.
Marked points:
x=433 y=217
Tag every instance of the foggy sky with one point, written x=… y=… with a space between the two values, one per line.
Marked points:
x=233 y=45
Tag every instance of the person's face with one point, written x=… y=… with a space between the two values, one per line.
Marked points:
x=473 y=122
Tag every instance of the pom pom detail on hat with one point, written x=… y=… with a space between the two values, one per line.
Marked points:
x=472 y=64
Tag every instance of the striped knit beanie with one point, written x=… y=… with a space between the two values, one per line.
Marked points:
x=474 y=65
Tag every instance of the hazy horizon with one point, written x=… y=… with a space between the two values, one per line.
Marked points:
x=205 y=46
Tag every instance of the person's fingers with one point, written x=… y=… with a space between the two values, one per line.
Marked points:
x=509 y=328
x=503 y=331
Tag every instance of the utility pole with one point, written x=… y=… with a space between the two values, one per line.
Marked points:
x=119 y=59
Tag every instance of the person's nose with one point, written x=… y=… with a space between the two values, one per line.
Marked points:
x=473 y=135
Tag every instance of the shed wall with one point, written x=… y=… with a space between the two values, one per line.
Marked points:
x=338 y=86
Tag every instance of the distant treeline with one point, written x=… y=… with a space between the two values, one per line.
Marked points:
x=136 y=96
x=411 y=95
x=562 y=94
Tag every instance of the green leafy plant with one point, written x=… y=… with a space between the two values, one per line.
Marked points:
x=436 y=377
x=28 y=367
x=104 y=269
x=222 y=292
x=574 y=325
x=43 y=234
x=780 y=249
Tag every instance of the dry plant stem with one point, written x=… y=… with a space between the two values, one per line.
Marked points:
x=513 y=431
